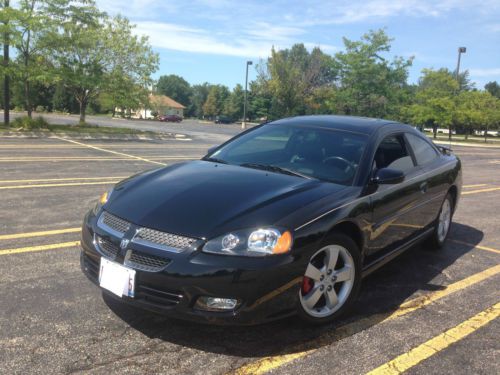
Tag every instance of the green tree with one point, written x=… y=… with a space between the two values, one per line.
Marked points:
x=493 y=88
x=369 y=84
x=292 y=75
x=199 y=94
x=37 y=20
x=477 y=110
x=210 y=107
x=434 y=103
x=97 y=54
x=175 y=87
x=233 y=105
x=214 y=105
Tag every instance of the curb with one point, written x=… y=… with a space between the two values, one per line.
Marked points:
x=466 y=144
x=92 y=136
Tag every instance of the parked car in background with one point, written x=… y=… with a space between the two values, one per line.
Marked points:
x=223 y=120
x=170 y=118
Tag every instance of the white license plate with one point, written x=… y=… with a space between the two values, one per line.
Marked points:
x=116 y=278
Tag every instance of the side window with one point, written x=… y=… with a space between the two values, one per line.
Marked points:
x=393 y=153
x=424 y=152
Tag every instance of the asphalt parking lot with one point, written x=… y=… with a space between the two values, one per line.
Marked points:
x=426 y=312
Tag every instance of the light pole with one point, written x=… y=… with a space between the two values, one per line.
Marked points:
x=460 y=51
x=244 y=123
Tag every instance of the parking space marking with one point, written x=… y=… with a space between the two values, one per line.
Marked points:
x=122 y=145
x=58 y=185
x=90 y=158
x=64 y=179
x=39 y=233
x=480 y=191
x=267 y=364
x=433 y=346
x=471 y=186
x=110 y=151
x=30 y=249
x=476 y=246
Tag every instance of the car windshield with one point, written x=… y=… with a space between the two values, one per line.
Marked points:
x=319 y=153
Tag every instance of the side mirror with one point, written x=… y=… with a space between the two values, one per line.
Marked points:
x=211 y=149
x=388 y=176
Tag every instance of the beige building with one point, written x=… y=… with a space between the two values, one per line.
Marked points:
x=159 y=105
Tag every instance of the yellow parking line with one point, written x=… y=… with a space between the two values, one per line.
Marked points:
x=480 y=191
x=119 y=145
x=30 y=249
x=267 y=364
x=111 y=151
x=65 y=179
x=58 y=185
x=471 y=186
x=476 y=246
x=21 y=158
x=433 y=346
x=39 y=233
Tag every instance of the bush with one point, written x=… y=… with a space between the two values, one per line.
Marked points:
x=40 y=109
x=30 y=124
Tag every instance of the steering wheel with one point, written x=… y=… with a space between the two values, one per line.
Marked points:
x=341 y=163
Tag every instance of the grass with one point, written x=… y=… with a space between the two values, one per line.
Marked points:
x=461 y=138
x=23 y=124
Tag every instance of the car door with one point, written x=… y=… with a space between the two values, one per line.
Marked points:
x=396 y=213
x=427 y=158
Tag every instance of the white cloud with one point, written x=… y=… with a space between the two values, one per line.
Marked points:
x=256 y=42
x=175 y=37
x=486 y=72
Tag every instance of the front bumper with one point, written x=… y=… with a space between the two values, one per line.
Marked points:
x=267 y=288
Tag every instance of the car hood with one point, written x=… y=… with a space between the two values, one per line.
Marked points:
x=203 y=199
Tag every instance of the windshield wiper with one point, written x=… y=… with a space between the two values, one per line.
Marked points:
x=215 y=160
x=275 y=168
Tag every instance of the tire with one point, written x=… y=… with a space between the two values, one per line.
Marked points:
x=443 y=224
x=324 y=296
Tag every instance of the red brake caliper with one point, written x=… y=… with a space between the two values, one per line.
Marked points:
x=307 y=285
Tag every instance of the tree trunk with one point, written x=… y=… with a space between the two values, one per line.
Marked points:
x=449 y=133
x=27 y=90
x=434 y=131
x=6 y=94
x=83 y=109
x=466 y=134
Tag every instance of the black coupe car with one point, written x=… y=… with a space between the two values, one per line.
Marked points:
x=285 y=218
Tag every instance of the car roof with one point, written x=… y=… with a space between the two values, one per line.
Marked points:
x=363 y=125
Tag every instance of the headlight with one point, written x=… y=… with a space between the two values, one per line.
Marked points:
x=102 y=200
x=259 y=242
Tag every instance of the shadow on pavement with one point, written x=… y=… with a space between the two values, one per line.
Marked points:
x=381 y=294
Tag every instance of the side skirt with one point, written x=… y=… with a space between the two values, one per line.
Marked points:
x=376 y=264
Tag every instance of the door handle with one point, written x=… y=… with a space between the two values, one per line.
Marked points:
x=423 y=187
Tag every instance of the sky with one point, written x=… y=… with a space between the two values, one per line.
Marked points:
x=211 y=40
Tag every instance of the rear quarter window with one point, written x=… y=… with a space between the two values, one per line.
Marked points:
x=424 y=152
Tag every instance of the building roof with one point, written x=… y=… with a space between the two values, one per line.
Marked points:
x=165 y=101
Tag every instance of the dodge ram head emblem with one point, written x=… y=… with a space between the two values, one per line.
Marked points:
x=124 y=243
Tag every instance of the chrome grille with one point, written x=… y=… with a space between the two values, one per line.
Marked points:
x=108 y=248
x=146 y=262
x=115 y=222
x=163 y=239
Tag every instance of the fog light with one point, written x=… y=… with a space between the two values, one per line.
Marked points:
x=216 y=304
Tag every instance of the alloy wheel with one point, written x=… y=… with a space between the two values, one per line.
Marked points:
x=328 y=281
x=444 y=220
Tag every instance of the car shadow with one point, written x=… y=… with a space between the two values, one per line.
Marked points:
x=381 y=294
